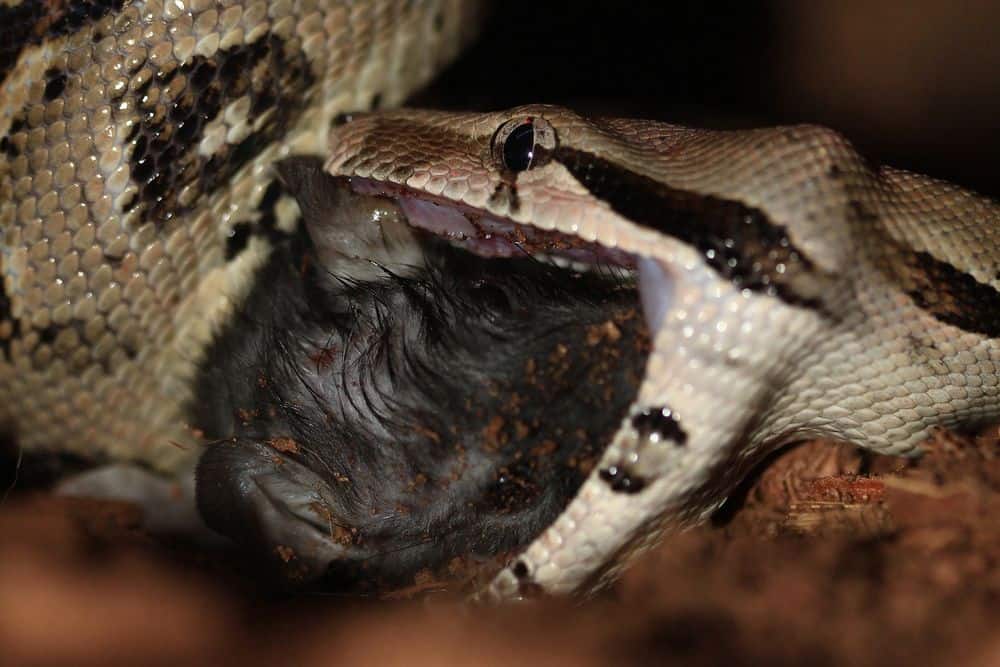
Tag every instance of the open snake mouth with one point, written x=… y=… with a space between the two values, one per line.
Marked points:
x=489 y=236
x=422 y=388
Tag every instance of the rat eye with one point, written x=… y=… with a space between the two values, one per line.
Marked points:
x=523 y=143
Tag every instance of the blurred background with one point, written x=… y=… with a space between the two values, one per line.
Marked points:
x=912 y=82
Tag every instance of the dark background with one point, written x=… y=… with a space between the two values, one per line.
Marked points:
x=912 y=83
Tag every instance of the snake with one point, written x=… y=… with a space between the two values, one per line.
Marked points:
x=792 y=288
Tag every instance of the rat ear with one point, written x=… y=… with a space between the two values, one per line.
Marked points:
x=319 y=196
x=352 y=234
x=315 y=190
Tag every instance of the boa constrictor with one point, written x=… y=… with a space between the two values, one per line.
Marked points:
x=793 y=290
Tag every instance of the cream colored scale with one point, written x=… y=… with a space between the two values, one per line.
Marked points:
x=115 y=286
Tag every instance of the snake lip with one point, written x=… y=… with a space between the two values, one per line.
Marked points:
x=488 y=235
x=491 y=236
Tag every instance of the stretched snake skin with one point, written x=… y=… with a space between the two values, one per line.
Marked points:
x=794 y=290
x=136 y=139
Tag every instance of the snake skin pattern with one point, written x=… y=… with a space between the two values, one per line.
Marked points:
x=794 y=289
x=136 y=194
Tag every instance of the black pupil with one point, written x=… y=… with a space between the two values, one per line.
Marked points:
x=519 y=147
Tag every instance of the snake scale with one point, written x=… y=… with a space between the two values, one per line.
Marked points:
x=792 y=289
x=137 y=139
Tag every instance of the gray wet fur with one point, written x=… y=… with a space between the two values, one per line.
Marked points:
x=366 y=427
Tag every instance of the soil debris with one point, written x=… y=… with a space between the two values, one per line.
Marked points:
x=848 y=558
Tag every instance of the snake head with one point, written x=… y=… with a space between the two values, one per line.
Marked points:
x=747 y=249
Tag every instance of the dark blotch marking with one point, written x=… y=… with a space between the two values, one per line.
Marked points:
x=662 y=422
x=48 y=334
x=621 y=481
x=78 y=13
x=950 y=295
x=164 y=158
x=55 y=84
x=34 y=21
x=7 y=323
x=9 y=148
x=130 y=204
x=266 y=226
x=506 y=189
x=268 y=206
x=4 y=303
x=238 y=239
x=739 y=242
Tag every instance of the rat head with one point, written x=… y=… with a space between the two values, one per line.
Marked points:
x=387 y=401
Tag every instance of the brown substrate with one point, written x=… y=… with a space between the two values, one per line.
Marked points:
x=832 y=558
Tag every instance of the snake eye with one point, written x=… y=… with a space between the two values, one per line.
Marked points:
x=524 y=143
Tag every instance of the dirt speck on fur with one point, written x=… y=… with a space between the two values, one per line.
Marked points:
x=830 y=556
x=284 y=445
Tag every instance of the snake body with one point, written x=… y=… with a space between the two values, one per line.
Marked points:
x=136 y=192
x=794 y=290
